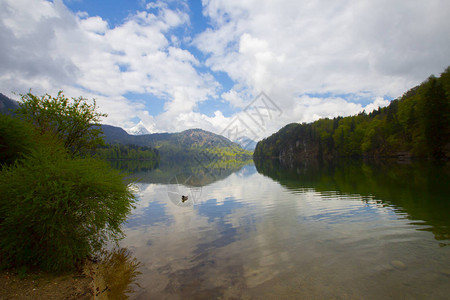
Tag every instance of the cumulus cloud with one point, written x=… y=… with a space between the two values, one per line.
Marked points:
x=48 y=48
x=290 y=48
x=327 y=44
x=379 y=102
x=29 y=52
x=94 y=24
x=313 y=59
x=233 y=97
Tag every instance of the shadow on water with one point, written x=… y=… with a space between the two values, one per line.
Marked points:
x=116 y=274
x=420 y=189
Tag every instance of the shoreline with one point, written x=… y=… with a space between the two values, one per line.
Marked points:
x=44 y=285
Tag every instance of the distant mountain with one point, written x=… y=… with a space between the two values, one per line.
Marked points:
x=246 y=143
x=191 y=138
x=7 y=105
x=181 y=145
x=117 y=135
x=198 y=138
x=139 y=129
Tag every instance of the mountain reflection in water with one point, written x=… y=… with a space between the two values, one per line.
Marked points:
x=351 y=230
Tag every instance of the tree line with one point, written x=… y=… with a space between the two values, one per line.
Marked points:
x=416 y=124
x=127 y=152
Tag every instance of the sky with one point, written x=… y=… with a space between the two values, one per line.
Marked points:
x=232 y=67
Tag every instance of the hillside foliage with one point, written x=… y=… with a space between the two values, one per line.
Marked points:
x=180 y=146
x=126 y=152
x=416 y=124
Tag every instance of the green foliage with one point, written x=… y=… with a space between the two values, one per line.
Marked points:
x=180 y=146
x=16 y=139
x=127 y=152
x=74 y=121
x=56 y=210
x=417 y=124
x=180 y=153
x=227 y=153
x=435 y=120
x=56 y=207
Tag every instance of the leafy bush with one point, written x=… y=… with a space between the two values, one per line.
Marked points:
x=56 y=207
x=56 y=210
x=16 y=139
x=74 y=121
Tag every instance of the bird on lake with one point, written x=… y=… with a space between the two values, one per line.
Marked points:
x=184 y=198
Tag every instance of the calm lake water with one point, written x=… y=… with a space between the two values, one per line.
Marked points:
x=350 y=230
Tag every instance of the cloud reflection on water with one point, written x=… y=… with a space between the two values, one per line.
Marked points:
x=248 y=236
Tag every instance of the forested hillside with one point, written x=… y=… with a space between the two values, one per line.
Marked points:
x=417 y=125
x=133 y=152
x=183 y=145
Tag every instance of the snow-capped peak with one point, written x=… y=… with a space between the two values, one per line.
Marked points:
x=139 y=129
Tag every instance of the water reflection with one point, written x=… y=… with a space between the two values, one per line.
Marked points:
x=116 y=275
x=295 y=233
x=419 y=189
x=189 y=173
x=134 y=166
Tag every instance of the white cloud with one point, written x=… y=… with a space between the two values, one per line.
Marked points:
x=48 y=48
x=190 y=119
x=94 y=24
x=379 y=102
x=233 y=97
x=289 y=48
x=29 y=49
x=292 y=50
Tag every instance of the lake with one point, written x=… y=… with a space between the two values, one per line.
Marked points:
x=348 y=230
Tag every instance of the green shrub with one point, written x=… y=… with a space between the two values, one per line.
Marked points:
x=74 y=121
x=16 y=139
x=56 y=210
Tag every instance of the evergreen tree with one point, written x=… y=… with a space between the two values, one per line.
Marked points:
x=436 y=118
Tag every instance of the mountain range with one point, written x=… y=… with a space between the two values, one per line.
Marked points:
x=180 y=144
x=173 y=145
x=243 y=141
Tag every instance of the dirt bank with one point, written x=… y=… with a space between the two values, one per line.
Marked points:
x=41 y=285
